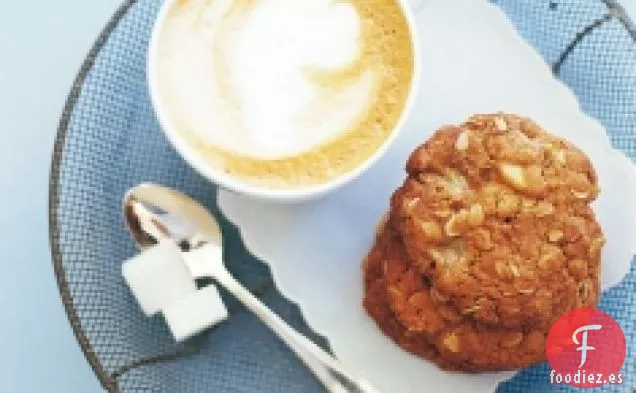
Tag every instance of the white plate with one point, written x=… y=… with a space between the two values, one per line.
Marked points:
x=473 y=61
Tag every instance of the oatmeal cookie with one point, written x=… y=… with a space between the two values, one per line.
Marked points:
x=399 y=300
x=496 y=214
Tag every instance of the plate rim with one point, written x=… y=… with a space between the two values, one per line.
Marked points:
x=108 y=381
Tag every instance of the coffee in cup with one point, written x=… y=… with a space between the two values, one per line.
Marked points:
x=284 y=94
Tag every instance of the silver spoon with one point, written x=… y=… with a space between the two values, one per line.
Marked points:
x=153 y=212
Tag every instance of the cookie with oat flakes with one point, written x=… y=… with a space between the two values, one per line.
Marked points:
x=496 y=214
x=399 y=300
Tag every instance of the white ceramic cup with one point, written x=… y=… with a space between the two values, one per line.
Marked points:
x=195 y=159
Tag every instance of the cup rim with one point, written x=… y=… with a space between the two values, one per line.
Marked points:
x=234 y=184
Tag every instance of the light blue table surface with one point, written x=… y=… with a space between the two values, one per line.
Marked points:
x=42 y=44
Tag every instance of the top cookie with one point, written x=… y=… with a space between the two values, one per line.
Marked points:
x=496 y=213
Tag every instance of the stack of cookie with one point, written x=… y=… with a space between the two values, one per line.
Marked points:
x=490 y=239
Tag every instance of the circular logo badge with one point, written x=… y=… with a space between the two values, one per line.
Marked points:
x=586 y=348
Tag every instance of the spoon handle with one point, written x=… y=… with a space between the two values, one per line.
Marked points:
x=331 y=372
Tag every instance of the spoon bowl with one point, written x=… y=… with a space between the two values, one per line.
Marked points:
x=152 y=212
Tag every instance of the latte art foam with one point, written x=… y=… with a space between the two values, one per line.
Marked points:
x=285 y=92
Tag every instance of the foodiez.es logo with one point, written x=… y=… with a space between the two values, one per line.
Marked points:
x=586 y=348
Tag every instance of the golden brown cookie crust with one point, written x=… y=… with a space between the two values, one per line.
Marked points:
x=399 y=300
x=496 y=214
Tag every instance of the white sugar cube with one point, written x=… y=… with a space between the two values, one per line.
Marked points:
x=205 y=261
x=195 y=313
x=158 y=277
